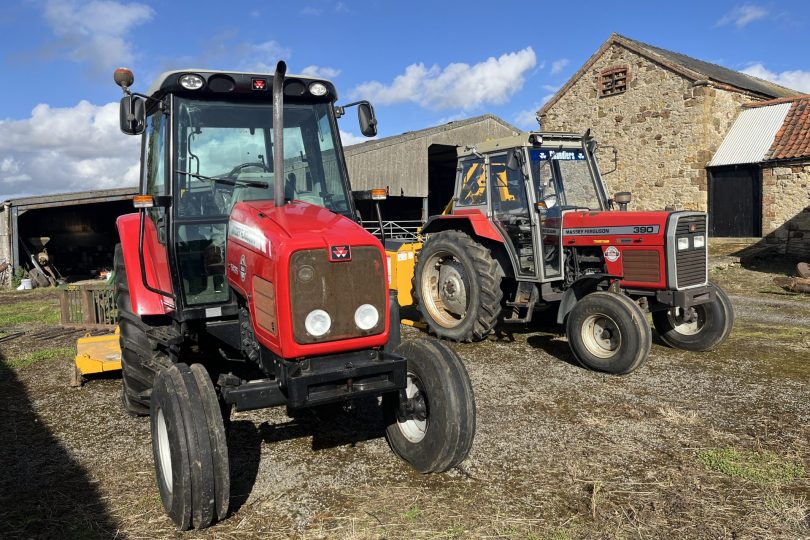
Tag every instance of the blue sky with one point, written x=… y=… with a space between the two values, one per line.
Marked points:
x=421 y=63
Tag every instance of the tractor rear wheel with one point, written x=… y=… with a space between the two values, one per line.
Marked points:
x=608 y=332
x=437 y=429
x=141 y=358
x=709 y=325
x=189 y=447
x=457 y=287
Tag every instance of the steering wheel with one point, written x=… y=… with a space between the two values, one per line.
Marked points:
x=236 y=170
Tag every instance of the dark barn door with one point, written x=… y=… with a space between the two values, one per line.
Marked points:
x=735 y=202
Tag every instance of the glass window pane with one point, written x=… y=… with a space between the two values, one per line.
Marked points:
x=201 y=256
x=473 y=183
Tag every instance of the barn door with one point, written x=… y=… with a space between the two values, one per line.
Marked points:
x=735 y=202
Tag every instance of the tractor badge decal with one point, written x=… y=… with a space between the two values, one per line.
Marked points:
x=612 y=254
x=242 y=268
x=340 y=253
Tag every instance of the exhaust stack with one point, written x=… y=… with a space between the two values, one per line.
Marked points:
x=278 y=133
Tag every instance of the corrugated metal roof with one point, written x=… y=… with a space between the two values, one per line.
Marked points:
x=751 y=136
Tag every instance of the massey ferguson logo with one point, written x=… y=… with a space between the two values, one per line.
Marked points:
x=340 y=253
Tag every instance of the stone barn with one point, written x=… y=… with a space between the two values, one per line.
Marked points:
x=664 y=112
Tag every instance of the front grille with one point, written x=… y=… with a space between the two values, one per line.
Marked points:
x=691 y=263
x=641 y=265
x=338 y=288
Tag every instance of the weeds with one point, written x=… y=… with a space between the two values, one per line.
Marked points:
x=412 y=513
x=39 y=311
x=761 y=467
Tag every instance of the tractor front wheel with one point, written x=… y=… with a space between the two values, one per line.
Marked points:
x=189 y=447
x=435 y=432
x=608 y=332
x=706 y=326
x=457 y=287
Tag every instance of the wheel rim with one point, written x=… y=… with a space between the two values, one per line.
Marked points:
x=163 y=453
x=445 y=289
x=676 y=319
x=601 y=336
x=414 y=424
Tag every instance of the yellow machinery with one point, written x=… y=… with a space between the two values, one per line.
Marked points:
x=96 y=354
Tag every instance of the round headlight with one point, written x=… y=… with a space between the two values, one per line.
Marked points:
x=318 y=322
x=366 y=317
x=191 y=82
x=317 y=89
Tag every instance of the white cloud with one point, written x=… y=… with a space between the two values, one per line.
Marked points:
x=558 y=65
x=95 y=33
x=743 y=15
x=341 y=7
x=319 y=72
x=261 y=57
x=66 y=149
x=348 y=138
x=796 y=79
x=527 y=119
x=457 y=85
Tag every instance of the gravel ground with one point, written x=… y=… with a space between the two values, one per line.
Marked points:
x=560 y=452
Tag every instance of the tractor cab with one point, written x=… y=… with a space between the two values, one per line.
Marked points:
x=533 y=178
x=209 y=144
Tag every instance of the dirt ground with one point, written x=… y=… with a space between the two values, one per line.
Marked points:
x=713 y=445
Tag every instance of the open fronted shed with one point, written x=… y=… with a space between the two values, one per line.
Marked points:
x=76 y=230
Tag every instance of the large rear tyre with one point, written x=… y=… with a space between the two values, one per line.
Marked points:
x=140 y=357
x=709 y=325
x=437 y=430
x=188 y=444
x=457 y=287
x=608 y=332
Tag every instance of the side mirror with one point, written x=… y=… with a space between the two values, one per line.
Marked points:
x=513 y=161
x=368 y=122
x=623 y=198
x=132 y=115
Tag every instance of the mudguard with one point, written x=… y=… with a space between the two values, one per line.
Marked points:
x=578 y=289
x=478 y=222
x=144 y=301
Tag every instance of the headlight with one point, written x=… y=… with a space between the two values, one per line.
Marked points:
x=366 y=317
x=318 y=322
x=683 y=243
x=699 y=241
x=191 y=82
x=317 y=89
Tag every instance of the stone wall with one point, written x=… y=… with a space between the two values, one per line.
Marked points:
x=665 y=127
x=786 y=208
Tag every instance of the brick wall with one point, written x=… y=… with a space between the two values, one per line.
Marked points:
x=665 y=127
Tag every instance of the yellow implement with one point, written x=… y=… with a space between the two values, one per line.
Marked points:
x=96 y=354
x=401 y=262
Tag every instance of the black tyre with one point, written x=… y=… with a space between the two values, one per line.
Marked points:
x=608 y=332
x=140 y=358
x=190 y=452
x=710 y=325
x=438 y=428
x=457 y=287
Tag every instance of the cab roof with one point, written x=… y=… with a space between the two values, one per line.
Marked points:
x=526 y=138
x=220 y=82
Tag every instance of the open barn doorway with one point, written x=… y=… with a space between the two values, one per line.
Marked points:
x=441 y=177
x=78 y=241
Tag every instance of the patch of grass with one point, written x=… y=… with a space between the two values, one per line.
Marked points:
x=40 y=355
x=36 y=311
x=412 y=513
x=761 y=467
x=455 y=531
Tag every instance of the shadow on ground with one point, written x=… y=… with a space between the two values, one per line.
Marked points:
x=44 y=492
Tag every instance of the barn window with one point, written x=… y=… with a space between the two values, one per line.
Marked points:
x=613 y=81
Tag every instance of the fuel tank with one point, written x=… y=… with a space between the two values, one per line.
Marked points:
x=312 y=279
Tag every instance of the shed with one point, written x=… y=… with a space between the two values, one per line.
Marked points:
x=77 y=230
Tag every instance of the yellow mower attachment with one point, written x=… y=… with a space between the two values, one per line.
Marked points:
x=401 y=262
x=96 y=354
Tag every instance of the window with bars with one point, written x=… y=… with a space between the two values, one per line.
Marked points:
x=613 y=81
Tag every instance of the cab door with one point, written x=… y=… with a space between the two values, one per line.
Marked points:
x=511 y=211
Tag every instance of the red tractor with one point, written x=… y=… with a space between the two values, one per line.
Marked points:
x=246 y=281
x=531 y=226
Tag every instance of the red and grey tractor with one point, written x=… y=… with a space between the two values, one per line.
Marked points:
x=245 y=281
x=532 y=226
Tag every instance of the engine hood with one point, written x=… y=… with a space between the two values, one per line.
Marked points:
x=263 y=227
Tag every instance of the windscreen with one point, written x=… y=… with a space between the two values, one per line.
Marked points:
x=562 y=177
x=224 y=154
